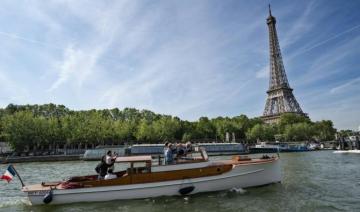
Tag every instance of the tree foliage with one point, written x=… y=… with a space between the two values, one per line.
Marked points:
x=26 y=126
x=293 y=127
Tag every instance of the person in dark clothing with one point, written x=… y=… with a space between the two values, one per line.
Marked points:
x=102 y=168
x=180 y=151
x=183 y=149
x=106 y=165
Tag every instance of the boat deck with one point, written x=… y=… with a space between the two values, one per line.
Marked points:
x=40 y=187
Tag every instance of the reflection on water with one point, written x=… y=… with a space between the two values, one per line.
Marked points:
x=312 y=181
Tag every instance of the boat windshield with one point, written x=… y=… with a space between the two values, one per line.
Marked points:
x=204 y=154
x=136 y=164
x=133 y=159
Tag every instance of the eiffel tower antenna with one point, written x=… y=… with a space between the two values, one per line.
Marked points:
x=269 y=10
x=280 y=98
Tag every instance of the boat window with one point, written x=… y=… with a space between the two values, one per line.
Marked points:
x=139 y=167
x=194 y=155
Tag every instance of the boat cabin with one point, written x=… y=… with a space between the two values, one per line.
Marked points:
x=144 y=164
x=138 y=164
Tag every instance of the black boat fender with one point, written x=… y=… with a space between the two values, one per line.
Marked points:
x=48 y=197
x=186 y=190
x=186 y=187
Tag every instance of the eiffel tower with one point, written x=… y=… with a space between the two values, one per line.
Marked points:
x=280 y=98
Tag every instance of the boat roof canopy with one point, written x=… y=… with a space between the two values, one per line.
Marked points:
x=131 y=159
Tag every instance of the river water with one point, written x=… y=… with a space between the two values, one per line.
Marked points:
x=312 y=181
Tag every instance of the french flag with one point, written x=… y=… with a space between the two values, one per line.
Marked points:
x=9 y=174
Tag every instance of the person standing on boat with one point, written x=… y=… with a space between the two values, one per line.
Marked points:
x=110 y=160
x=183 y=150
x=106 y=165
x=180 y=151
x=168 y=154
x=102 y=168
x=166 y=146
x=188 y=148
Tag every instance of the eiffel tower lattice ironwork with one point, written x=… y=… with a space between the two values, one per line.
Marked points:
x=280 y=96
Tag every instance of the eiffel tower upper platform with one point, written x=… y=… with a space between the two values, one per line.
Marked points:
x=280 y=98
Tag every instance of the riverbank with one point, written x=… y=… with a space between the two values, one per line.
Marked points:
x=47 y=158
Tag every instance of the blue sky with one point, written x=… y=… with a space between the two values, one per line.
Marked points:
x=185 y=58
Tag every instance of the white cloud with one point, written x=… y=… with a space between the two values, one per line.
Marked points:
x=346 y=86
x=77 y=65
x=330 y=62
x=80 y=60
x=301 y=26
x=323 y=42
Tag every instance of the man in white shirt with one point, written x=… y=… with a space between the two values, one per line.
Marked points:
x=110 y=160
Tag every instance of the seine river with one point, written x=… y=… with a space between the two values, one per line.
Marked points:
x=312 y=181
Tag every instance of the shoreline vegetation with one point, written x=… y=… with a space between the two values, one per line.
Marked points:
x=32 y=128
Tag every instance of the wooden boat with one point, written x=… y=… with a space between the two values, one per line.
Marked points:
x=145 y=179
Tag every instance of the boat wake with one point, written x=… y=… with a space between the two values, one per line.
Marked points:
x=346 y=151
x=15 y=201
x=186 y=200
x=238 y=190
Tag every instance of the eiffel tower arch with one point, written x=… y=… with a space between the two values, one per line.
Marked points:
x=280 y=97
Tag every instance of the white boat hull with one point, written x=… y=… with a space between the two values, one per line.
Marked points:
x=241 y=176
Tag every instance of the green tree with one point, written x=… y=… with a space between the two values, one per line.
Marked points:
x=299 y=132
x=241 y=124
x=223 y=126
x=262 y=132
x=325 y=130
x=166 y=128
x=291 y=118
x=145 y=131
x=204 y=128
x=19 y=130
x=51 y=124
